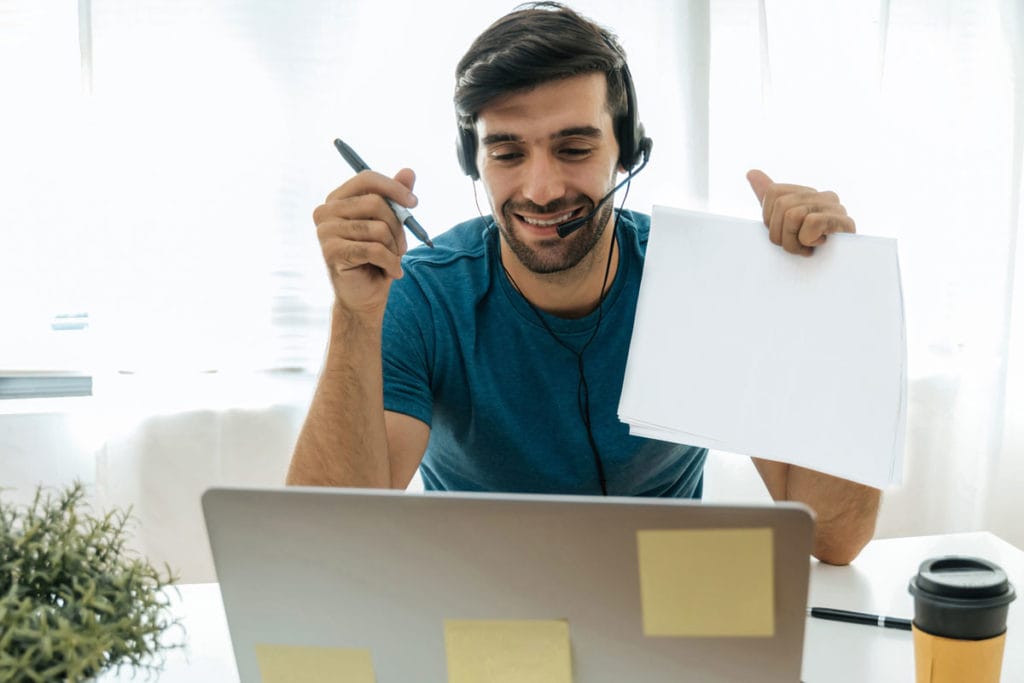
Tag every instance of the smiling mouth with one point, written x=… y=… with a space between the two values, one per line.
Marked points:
x=549 y=222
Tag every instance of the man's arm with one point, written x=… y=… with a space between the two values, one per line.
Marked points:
x=348 y=439
x=846 y=511
x=798 y=219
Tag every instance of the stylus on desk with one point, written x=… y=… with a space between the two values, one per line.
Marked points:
x=404 y=217
x=859 y=618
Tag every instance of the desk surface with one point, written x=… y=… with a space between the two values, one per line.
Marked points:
x=876 y=582
x=833 y=652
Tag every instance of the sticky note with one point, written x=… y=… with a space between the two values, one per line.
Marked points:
x=707 y=582
x=301 y=664
x=508 y=651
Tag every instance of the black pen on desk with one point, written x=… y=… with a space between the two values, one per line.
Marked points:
x=859 y=618
x=404 y=217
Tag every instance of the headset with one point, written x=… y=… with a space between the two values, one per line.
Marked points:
x=634 y=148
x=629 y=132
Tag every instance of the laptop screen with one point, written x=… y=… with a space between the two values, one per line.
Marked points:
x=382 y=586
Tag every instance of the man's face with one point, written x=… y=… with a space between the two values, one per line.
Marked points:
x=547 y=156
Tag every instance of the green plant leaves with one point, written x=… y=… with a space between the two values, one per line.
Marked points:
x=73 y=602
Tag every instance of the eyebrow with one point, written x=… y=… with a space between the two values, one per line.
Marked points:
x=575 y=131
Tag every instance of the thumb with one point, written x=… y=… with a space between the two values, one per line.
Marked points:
x=759 y=182
x=407 y=177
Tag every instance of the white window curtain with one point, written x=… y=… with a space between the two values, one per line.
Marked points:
x=913 y=110
x=164 y=161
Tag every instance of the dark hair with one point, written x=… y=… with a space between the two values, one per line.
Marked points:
x=534 y=44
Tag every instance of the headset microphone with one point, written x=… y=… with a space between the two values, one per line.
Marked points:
x=566 y=229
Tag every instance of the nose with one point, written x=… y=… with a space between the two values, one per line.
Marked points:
x=542 y=179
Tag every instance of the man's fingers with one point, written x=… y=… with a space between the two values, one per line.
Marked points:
x=817 y=225
x=407 y=177
x=789 y=228
x=342 y=255
x=359 y=230
x=759 y=183
x=805 y=226
x=350 y=215
x=371 y=182
x=780 y=196
x=781 y=205
x=792 y=225
x=366 y=206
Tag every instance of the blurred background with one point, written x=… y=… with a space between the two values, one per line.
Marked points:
x=164 y=306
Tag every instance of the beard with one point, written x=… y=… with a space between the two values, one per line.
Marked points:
x=556 y=254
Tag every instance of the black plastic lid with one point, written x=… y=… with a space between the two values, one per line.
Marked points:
x=961 y=597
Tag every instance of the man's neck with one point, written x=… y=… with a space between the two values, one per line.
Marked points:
x=572 y=293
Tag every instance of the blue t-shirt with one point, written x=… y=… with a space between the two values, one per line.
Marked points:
x=466 y=354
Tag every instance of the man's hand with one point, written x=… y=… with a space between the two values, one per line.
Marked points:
x=361 y=239
x=798 y=218
x=347 y=438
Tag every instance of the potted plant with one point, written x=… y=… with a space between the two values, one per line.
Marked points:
x=74 y=603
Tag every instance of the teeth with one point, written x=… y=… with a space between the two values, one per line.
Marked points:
x=544 y=224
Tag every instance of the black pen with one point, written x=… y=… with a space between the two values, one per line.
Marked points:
x=859 y=618
x=404 y=217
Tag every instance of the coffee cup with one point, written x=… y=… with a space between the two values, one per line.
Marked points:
x=960 y=610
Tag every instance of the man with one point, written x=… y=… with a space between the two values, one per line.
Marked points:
x=495 y=361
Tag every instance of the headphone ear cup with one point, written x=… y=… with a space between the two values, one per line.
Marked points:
x=465 y=150
x=630 y=132
x=627 y=145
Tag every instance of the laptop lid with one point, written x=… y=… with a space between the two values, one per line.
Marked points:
x=426 y=586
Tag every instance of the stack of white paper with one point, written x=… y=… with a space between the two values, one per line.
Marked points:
x=742 y=347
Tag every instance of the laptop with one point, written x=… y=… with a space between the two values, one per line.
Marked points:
x=452 y=587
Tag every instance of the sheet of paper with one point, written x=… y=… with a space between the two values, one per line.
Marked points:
x=508 y=651
x=707 y=582
x=740 y=346
x=301 y=664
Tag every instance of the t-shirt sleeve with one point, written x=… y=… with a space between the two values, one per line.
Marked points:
x=407 y=350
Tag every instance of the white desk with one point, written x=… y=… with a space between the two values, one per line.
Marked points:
x=833 y=652
x=876 y=582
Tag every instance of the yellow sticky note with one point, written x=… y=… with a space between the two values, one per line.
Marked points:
x=707 y=582
x=301 y=664
x=508 y=651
